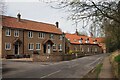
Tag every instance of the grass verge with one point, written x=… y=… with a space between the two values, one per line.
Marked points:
x=115 y=62
x=94 y=72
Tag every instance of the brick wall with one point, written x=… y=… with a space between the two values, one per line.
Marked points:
x=47 y=57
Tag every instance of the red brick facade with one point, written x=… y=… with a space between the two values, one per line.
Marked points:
x=78 y=44
x=25 y=36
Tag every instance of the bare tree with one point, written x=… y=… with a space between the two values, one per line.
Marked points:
x=2 y=7
x=90 y=11
x=103 y=15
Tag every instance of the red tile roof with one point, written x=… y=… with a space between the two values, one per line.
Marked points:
x=12 y=22
x=100 y=39
x=74 y=39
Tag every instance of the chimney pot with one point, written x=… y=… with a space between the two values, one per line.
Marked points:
x=57 y=24
x=18 y=16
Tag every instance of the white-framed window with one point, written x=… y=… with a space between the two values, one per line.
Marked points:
x=38 y=46
x=60 y=47
x=82 y=49
x=60 y=37
x=54 y=47
x=7 y=46
x=8 y=32
x=80 y=41
x=51 y=36
x=75 y=40
x=30 y=34
x=30 y=46
x=41 y=35
x=87 y=40
x=16 y=33
x=96 y=49
x=95 y=41
x=88 y=49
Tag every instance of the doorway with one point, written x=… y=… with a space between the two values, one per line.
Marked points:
x=17 y=48
x=48 y=49
x=44 y=48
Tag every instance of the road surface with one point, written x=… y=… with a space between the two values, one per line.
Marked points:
x=76 y=68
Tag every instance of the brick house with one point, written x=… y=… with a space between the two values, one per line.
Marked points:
x=100 y=41
x=22 y=37
x=82 y=44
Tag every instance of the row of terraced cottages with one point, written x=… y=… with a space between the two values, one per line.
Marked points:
x=85 y=45
x=23 y=37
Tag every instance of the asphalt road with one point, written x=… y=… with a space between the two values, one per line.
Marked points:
x=76 y=68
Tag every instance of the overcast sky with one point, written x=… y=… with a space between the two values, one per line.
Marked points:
x=39 y=11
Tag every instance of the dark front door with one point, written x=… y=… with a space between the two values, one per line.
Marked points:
x=16 y=49
x=44 y=48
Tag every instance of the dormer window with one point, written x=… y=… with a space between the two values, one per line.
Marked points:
x=95 y=41
x=68 y=39
x=87 y=40
x=80 y=40
x=75 y=40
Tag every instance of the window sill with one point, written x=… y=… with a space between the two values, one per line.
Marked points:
x=60 y=50
x=16 y=36
x=54 y=50
x=30 y=37
x=7 y=49
x=30 y=49
x=38 y=49
x=8 y=35
x=51 y=39
x=41 y=38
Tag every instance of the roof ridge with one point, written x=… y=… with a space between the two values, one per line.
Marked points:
x=30 y=20
x=10 y=21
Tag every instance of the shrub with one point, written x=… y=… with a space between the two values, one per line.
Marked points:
x=35 y=52
x=70 y=51
x=117 y=58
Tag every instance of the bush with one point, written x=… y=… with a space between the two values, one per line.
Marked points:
x=117 y=58
x=70 y=52
x=35 y=52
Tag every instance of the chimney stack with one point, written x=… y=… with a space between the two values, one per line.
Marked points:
x=18 y=17
x=57 y=24
x=76 y=32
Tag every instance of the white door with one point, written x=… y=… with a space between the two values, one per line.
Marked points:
x=48 y=47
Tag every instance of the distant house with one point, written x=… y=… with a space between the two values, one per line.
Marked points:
x=82 y=44
x=23 y=37
x=101 y=42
